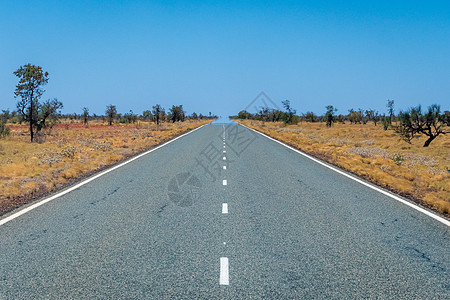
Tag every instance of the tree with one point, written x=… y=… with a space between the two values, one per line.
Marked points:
x=243 y=114
x=158 y=113
x=85 y=116
x=355 y=116
x=72 y=117
x=431 y=124
x=289 y=112
x=390 y=106
x=176 y=113
x=31 y=80
x=29 y=88
x=4 y=131
x=275 y=115
x=194 y=116
x=129 y=117
x=14 y=117
x=387 y=121
x=372 y=115
x=111 y=113
x=329 y=115
x=6 y=114
x=310 y=117
x=263 y=114
x=48 y=113
x=341 y=119
x=163 y=115
x=147 y=115
x=364 y=117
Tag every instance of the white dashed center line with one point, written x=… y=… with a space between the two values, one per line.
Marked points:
x=224 y=280
x=224 y=208
x=224 y=277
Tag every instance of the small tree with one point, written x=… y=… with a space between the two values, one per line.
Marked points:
x=176 y=113
x=158 y=113
x=85 y=116
x=341 y=119
x=276 y=115
x=129 y=117
x=4 y=131
x=48 y=114
x=355 y=116
x=329 y=115
x=390 y=106
x=163 y=116
x=243 y=114
x=6 y=114
x=263 y=114
x=387 y=121
x=431 y=124
x=289 y=113
x=372 y=115
x=29 y=89
x=310 y=117
x=111 y=113
x=147 y=115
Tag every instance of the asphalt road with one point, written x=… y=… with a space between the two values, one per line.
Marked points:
x=158 y=228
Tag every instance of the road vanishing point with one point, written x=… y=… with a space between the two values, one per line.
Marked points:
x=223 y=212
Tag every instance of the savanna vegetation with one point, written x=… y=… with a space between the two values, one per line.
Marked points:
x=398 y=155
x=42 y=150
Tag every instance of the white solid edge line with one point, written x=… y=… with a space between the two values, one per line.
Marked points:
x=224 y=208
x=416 y=207
x=224 y=278
x=42 y=202
x=224 y=182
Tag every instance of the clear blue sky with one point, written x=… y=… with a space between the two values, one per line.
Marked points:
x=217 y=56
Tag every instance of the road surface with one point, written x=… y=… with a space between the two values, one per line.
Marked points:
x=223 y=212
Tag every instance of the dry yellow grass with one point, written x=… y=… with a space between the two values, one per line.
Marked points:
x=422 y=174
x=70 y=151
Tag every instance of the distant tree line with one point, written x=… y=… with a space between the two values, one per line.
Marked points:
x=40 y=115
x=408 y=124
x=157 y=114
x=289 y=116
x=266 y=114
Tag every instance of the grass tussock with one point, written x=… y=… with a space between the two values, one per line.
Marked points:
x=422 y=174
x=70 y=151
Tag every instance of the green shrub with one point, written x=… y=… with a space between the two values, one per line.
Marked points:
x=4 y=130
